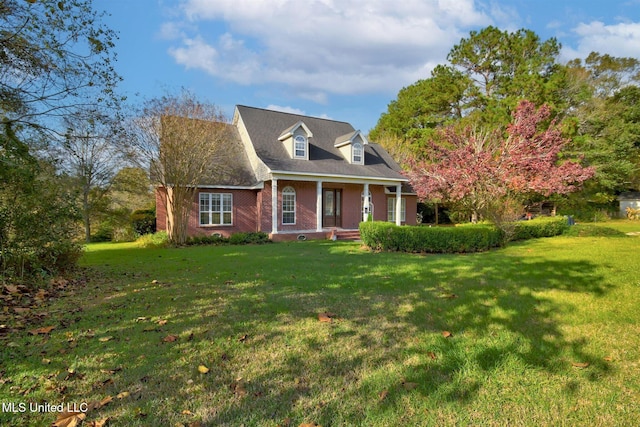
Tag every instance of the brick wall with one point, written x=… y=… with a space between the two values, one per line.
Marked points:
x=244 y=214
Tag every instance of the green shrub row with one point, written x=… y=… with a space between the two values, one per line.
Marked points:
x=472 y=238
x=390 y=237
x=249 y=238
x=540 y=227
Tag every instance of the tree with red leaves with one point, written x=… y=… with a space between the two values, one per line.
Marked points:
x=490 y=173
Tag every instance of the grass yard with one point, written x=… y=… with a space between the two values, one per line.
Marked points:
x=544 y=332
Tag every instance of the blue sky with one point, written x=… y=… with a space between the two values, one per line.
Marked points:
x=340 y=59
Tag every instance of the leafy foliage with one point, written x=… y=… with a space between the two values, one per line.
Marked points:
x=242 y=238
x=486 y=173
x=37 y=216
x=386 y=236
x=143 y=221
x=56 y=56
x=181 y=138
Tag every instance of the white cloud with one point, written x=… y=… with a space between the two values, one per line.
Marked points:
x=622 y=39
x=287 y=109
x=321 y=47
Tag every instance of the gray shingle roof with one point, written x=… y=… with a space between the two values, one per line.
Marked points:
x=265 y=126
x=236 y=170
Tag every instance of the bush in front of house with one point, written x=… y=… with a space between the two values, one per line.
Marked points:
x=390 y=237
x=242 y=238
x=386 y=236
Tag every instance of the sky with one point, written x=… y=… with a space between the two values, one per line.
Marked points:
x=339 y=59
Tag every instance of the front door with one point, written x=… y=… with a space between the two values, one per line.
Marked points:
x=331 y=207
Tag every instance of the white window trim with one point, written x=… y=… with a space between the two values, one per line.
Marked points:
x=210 y=196
x=391 y=209
x=305 y=148
x=353 y=153
x=290 y=191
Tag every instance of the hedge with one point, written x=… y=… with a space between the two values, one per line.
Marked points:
x=540 y=227
x=386 y=236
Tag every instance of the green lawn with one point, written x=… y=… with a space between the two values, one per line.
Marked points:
x=544 y=332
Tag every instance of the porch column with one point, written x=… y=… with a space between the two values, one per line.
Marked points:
x=319 y=206
x=274 y=206
x=398 y=204
x=365 y=203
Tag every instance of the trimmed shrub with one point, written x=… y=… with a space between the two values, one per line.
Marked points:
x=242 y=238
x=390 y=237
x=386 y=236
x=540 y=227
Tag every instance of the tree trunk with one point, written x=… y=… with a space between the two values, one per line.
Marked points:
x=85 y=216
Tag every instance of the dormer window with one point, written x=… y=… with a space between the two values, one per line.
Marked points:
x=300 y=147
x=351 y=147
x=296 y=141
x=357 y=154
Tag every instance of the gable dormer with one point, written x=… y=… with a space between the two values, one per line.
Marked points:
x=296 y=141
x=351 y=147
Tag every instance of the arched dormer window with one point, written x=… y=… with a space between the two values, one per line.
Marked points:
x=288 y=206
x=300 y=147
x=357 y=154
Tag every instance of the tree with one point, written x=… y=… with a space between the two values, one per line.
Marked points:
x=55 y=56
x=37 y=215
x=91 y=155
x=604 y=122
x=490 y=173
x=488 y=74
x=182 y=140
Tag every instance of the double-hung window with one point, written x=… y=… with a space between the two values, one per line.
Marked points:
x=391 y=209
x=216 y=209
x=357 y=154
x=300 y=147
x=288 y=205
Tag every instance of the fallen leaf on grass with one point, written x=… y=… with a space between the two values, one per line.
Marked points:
x=69 y=419
x=99 y=423
x=608 y=359
x=99 y=404
x=383 y=395
x=238 y=387
x=203 y=369
x=122 y=395
x=11 y=289
x=42 y=331
x=105 y=339
x=447 y=334
x=170 y=338
x=326 y=317
x=580 y=365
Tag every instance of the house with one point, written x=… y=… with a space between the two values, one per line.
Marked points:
x=297 y=177
x=629 y=203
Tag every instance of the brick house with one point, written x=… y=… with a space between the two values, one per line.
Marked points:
x=297 y=177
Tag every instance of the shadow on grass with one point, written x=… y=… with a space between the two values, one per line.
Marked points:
x=252 y=319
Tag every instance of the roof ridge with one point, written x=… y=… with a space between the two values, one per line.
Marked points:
x=293 y=114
